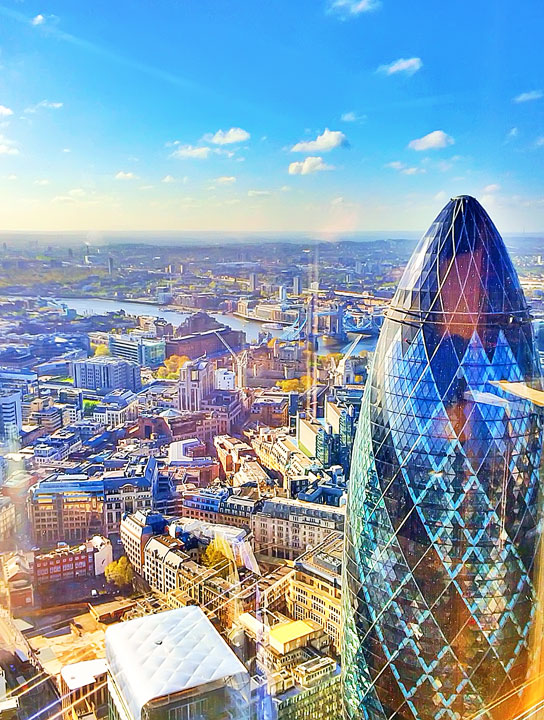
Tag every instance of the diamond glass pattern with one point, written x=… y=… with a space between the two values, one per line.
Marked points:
x=443 y=505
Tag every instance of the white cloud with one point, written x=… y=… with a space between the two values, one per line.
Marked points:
x=168 y=179
x=404 y=169
x=539 y=142
x=413 y=171
x=44 y=104
x=42 y=181
x=308 y=166
x=76 y=192
x=441 y=196
x=227 y=137
x=225 y=180
x=258 y=193
x=433 y=141
x=7 y=146
x=528 y=96
x=402 y=65
x=338 y=200
x=328 y=140
x=121 y=175
x=191 y=151
x=285 y=188
x=66 y=150
x=351 y=117
x=352 y=8
x=5 y=111
x=38 y=20
x=512 y=133
x=491 y=188
x=12 y=177
x=145 y=187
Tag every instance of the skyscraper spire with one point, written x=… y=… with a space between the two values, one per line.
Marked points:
x=443 y=510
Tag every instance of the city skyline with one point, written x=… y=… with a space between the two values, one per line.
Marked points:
x=332 y=117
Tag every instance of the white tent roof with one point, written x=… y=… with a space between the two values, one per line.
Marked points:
x=166 y=653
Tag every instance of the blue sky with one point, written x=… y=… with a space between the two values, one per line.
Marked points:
x=307 y=115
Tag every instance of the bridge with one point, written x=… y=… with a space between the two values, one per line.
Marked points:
x=338 y=325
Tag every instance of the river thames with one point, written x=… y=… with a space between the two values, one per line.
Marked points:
x=99 y=306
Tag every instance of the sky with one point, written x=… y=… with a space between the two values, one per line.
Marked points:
x=330 y=116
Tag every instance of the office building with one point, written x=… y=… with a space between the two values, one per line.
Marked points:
x=225 y=379
x=73 y=507
x=107 y=373
x=11 y=414
x=8 y=519
x=135 y=530
x=297 y=285
x=443 y=517
x=146 y=352
x=284 y=528
x=315 y=587
x=116 y=408
x=163 y=557
x=174 y=665
x=196 y=381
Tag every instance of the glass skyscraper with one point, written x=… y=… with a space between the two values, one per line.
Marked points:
x=443 y=509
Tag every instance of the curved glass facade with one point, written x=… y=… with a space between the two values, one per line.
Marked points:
x=443 y=499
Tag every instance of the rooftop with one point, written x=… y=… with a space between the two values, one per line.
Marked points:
x=83 y=673
x=165 y=654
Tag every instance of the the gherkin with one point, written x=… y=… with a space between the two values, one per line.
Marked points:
x=443 y=509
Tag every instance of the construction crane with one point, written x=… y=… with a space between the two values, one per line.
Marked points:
x=240 y=361
x=339 y=371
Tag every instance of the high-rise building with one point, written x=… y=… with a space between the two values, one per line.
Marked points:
x=296 y=285
x=107 y=373
x=11 y=414
x=443 y=516
x=252 y=282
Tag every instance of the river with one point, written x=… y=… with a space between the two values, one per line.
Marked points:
x=99 y=306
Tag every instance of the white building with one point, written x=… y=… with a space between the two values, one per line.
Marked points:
x=103 y=553
x=174 y=665
x=135 y=531
x=225 y=379
x=163 y=556
x=106 y=374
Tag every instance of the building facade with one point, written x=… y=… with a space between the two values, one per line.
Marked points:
x=11 y=414
x=443 y=501
x=146 y=352
x=106 y=374
x=285 y=528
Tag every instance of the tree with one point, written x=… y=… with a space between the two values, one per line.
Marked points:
x=100 y=349
x=291 y=385
x=119 y=572
x=89 y=406
x=296 y=384
x=172 y=366
x=213 y=555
